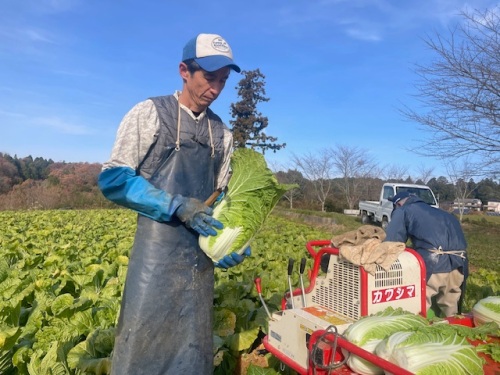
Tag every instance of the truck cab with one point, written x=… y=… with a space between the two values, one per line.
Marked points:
x=380 y=211
x=422 y=191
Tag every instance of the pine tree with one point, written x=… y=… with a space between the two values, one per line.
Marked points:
x=249 y=124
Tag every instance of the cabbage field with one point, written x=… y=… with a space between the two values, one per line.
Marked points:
x=61 y=278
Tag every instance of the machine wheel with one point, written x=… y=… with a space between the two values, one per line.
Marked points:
x=385 y=222
x=365 y=219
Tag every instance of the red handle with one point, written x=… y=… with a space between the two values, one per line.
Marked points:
x=257 y=284
x=318 y=243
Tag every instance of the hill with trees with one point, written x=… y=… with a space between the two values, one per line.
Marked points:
x=27 y=183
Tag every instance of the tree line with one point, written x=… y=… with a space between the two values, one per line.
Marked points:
x=38 y=183
x=337 y=194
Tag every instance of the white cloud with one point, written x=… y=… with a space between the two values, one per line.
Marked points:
x=50 y=6
x=73 y=73
x=11 y=114
x=62 y=5
x=62 y=126
x=371 y=36
x=54 y=123
x=37 y=36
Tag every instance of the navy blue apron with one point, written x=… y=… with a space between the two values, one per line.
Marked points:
x=165 y=324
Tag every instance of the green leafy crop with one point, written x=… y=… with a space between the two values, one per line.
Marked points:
x=253 y=192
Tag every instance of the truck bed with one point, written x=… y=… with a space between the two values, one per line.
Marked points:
x=368 y=204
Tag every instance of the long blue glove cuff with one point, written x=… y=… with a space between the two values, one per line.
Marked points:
x=233 y=259
x=122 y=186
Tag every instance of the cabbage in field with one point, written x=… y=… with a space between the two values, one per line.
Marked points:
x=253 y=192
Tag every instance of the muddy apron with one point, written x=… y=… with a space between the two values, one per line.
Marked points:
x=165 y=325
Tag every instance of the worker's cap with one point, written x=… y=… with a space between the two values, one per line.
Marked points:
x=395 y=199
x=210 y=51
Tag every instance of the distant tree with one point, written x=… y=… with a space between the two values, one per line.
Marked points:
x=424 y=174
x=29 y=168
x=355 y=167
x=488 y=191
x=8 y=175
x=80 y=177
x=68 y=185
x=249 y=124
x=460 y=175
x=393 y=172
x=442 y=188
x=318 y=169
x=292 y=177
x=460 y=92
x=41 y=167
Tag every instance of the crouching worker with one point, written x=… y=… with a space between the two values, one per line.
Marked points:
x=438 y=237
x=171 y=153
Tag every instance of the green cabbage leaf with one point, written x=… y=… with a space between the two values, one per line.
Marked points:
x=252 y=193
x=431 y=351
x=369 y=331
x=487 y=310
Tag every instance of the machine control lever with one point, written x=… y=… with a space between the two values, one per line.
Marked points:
x=291 y=261
x=301 y=272
x=259 y=290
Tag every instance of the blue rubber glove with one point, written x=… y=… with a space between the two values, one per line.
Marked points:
x=233 y=259
x=197 y=216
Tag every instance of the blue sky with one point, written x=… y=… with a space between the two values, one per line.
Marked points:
x=336 y=70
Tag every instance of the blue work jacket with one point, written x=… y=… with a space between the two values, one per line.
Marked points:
x=429 y=228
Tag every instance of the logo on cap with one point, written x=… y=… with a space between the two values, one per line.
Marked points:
x=220 y=44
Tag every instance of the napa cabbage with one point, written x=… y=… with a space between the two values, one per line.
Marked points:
x=252 y=193
x=369 y=331
x=431 y=351
x=487 y=310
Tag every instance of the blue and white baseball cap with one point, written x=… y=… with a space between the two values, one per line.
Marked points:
x=211 y=52
x=395 y=199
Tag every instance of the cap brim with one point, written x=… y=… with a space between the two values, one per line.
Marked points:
x=213 y=63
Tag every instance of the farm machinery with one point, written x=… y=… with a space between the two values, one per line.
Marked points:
x=307 y=333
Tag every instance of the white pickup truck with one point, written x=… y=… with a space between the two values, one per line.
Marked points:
x=380 y=211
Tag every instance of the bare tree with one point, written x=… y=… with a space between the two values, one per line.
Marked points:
x=424 y=173
x=460 y=92
x=393 y=172
x=459 y=175
x=292 y=177
x=318 y=170
x=355 y=166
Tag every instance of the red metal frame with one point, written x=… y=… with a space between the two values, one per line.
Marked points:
x=490 y=367
x=356 y=350
x=283 y=358
x=342 y=343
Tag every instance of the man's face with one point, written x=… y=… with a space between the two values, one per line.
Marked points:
x=201 y=88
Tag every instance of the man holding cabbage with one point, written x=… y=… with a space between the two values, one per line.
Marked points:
x=438 y=237
x=171 y=153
